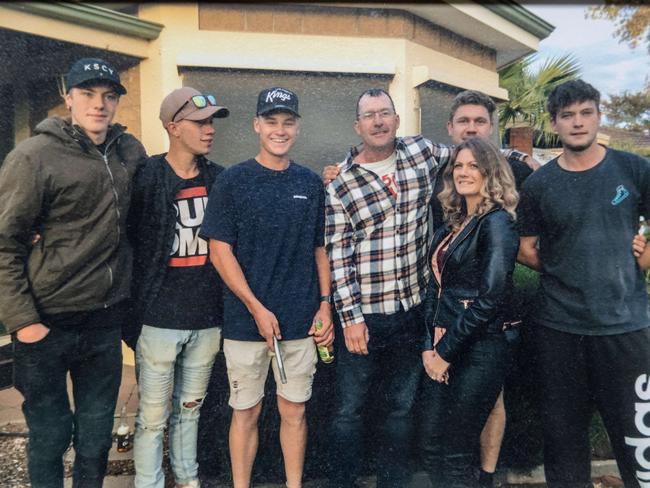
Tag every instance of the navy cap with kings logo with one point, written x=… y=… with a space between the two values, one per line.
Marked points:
x=93 y=69
x=277 y=100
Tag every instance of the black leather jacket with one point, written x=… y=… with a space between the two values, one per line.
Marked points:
x=476 y=283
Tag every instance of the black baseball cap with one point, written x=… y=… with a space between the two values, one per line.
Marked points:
x=93 y=69
x=277 y=100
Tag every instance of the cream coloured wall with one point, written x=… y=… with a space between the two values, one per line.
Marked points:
x=429 y=65
x=181 y=43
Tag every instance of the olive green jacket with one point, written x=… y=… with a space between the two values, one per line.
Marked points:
x=58 y=185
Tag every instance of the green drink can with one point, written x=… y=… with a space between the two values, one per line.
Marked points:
x=326 y=353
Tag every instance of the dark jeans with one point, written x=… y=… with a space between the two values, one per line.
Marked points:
x=578 y=372
x=91 y=352
x=390 y=373
x=455 y=413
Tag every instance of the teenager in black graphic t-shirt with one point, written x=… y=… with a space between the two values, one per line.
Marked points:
x=265 y=222
x=177 y=292
x=578 y=215
x=186 y=298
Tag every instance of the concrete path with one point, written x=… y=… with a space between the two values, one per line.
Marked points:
x=10 y=412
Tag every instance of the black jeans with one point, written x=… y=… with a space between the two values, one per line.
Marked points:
x=91 y=352
x=389 y=373
x=455 y=413
x=578 y=372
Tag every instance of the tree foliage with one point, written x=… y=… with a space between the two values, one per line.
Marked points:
x=629 y=110
x=632 y=20
x=529 y=87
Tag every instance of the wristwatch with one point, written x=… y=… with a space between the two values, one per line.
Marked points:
x=326 y=298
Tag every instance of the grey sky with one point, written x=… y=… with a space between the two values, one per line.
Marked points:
x=607 y=64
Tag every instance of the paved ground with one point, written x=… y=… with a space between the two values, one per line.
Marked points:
x=11 y=418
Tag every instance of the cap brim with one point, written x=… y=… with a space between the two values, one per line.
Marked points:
x=209 y=111
x=119 y=89
x=279 y=108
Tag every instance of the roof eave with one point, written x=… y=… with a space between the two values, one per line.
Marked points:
x=91 y=16
x=521 y=17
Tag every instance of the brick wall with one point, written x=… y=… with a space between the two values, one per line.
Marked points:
x=128 y=112
x=332 y=21
x=521 y=138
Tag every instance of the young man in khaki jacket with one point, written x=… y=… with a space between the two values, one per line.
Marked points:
x=63 y=297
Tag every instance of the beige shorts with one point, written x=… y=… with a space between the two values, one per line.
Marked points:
x=248 y=367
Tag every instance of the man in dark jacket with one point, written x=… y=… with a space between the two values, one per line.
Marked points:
x=177 y=291
x=63 y=298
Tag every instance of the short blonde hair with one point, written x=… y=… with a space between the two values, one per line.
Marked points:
x=498 y=183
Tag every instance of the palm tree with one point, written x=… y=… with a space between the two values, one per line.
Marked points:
x=528 y=89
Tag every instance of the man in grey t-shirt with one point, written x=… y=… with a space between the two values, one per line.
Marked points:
x=592 y=325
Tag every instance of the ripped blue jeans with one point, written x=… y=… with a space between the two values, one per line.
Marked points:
x=175 y=363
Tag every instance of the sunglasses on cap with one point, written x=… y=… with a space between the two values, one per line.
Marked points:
x=199 y=101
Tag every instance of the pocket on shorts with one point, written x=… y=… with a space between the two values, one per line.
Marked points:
x=300 y=365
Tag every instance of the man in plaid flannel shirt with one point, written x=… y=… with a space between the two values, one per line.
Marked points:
x=376 y=236
x=376 y=233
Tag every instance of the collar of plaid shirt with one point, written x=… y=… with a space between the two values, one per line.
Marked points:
x=354 y=152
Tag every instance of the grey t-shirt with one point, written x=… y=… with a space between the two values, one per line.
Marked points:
x=590 y=282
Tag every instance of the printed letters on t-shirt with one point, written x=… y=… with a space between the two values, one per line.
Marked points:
x=189 y=249
x=389 y=181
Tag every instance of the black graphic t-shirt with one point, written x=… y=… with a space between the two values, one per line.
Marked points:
x=590 y=282
x=188 y=297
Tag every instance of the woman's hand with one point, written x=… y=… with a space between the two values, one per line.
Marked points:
x=435 y=366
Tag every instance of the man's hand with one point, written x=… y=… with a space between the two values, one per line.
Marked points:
x=324 y=336
x=532 y=163
x=329 y=174
x=267 y=325
x=638 y=245
x=435 y=366
x=32 y=333
x=528 y=254
x=356 y=338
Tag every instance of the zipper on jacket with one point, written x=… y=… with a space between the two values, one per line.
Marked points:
x=444 y=262
x=115 y=195
x=117 y=203
x=110 y=274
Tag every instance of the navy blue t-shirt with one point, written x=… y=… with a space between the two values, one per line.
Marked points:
x=274 y=220
x=590 y=282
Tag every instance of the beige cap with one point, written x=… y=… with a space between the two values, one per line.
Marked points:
x=178 y=105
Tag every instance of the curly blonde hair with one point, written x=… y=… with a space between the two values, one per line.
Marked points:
x=498 y=188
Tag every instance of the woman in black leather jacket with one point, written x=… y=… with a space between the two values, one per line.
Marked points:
x=472 y=259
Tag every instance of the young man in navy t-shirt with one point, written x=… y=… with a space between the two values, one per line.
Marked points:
x=265 y=221
x=577 y=216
